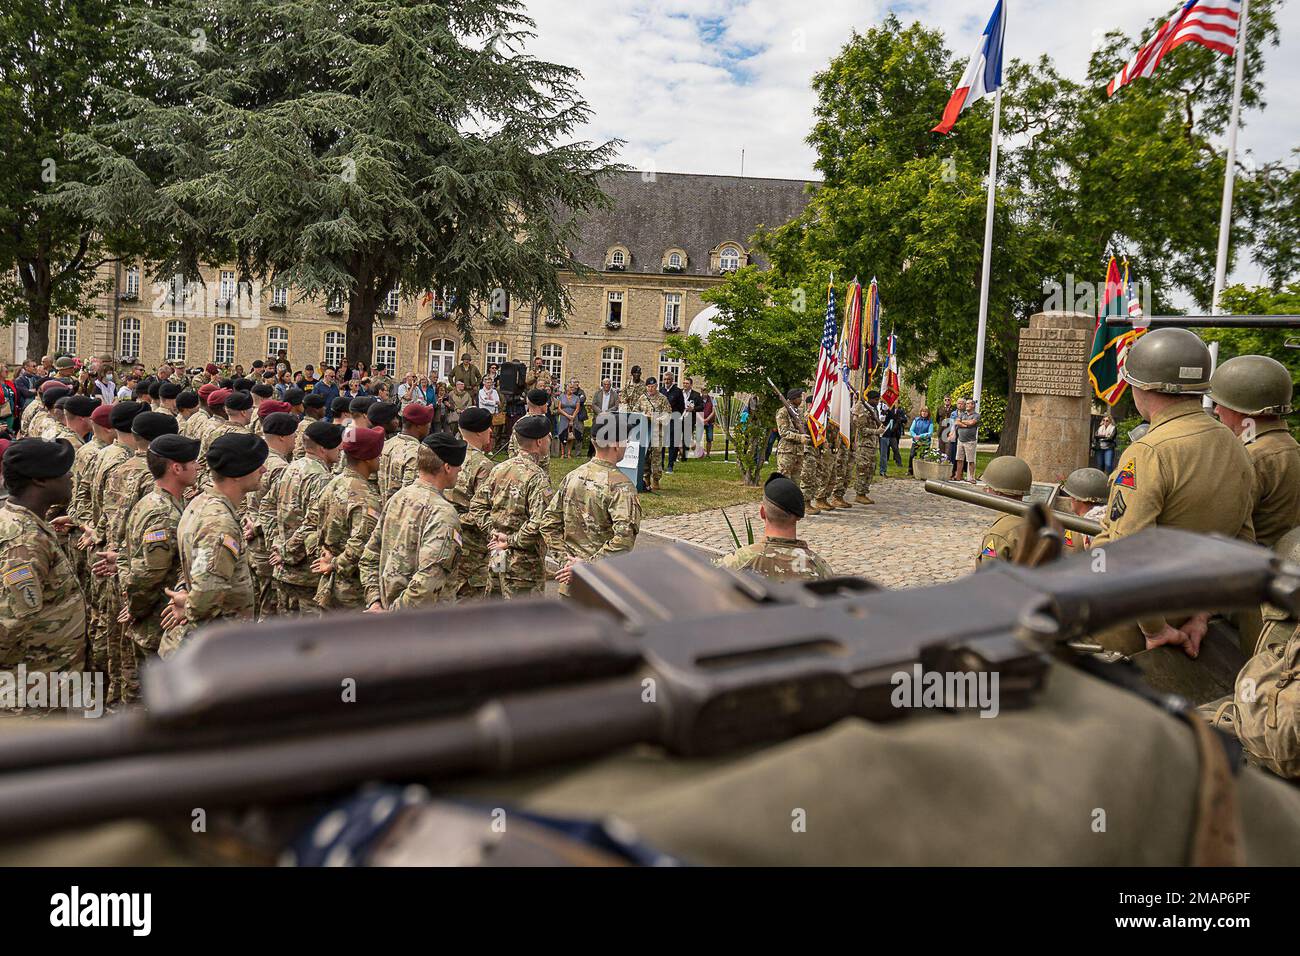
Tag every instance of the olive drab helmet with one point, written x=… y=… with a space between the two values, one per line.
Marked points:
x=1087 y=484
x=1252 y=385
x=1169 y=360
x=1009 y=475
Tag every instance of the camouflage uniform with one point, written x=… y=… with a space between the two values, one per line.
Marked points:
x=835 y=479
x=79 y=507
x=30 y=411
x=783 y=559
x=865 y=423
x=103 y=651
x=261 y=512
x=299 y=450
x=214 y=567
x=472 y=570
x=512 y=449
x=42 y=609
x=55 y=430
x=412 y=556
x=214 y=430
x=793 y=447
x=340 y=522
x=397 y=464
x=659 y=411
x=300 y=484
x=126 y=485
x=631 y=394
x=38 y=421
x=512 y=501
x=595 y=514
x=148 y=563
x=192 y=427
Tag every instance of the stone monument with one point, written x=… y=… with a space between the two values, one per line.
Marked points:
x=1055 y=410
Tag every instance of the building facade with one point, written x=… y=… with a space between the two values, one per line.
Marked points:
x=664 y=241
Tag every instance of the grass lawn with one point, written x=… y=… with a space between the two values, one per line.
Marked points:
x=697 y=485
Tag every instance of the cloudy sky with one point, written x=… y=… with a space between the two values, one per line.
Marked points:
x=689 y=83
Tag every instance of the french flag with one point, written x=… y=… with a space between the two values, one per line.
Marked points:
x=983 y=73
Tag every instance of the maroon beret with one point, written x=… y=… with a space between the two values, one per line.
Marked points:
x=418 y=413
x=217 y=397
x=363 y=444
x=270 y=406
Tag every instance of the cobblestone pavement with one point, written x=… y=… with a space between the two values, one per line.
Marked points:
x=907 y=538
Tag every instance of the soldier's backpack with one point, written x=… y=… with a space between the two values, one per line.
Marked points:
x=1267 y=703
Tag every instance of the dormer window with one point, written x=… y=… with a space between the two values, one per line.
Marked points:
x=729 y=259
x=617 y=259
x=674 y=261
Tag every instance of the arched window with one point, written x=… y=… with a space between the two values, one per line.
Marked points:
x=675 y=261
x=334 y=346
x=729 y=259
x=223 y=343
x=497 y=353
x=277 y=337
x=611 y=365
x=128 y=341
x=618 y=258
x=66 y=339
x=176 y=335
x=553 y=361
x=442 y=358
x=668 y=364
x=386 y=351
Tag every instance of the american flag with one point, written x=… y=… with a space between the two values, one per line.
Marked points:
x=1211 y=23
x=828 y=374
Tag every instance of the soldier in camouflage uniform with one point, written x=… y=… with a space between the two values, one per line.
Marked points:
x=793 y=445
x=42 y=609
x=168 y=392
x=261 y=393
x=397 y=467
x=508 y=507
x=632 y=391
x=102 y=435
x=413 y=553
x=866 y=427
x=472 y=568
x=36 y=416
x=654 y=406
x=216 y=582
x=189 y=414
x=595 y=512
x=780 y=555
x=299 y=486
x=311 y=408
x=234 y=412
x=538 y=403
x=150 y=558
x=278 y=431
x=835 y=482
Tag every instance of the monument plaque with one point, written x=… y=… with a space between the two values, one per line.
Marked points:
x=1052 y=377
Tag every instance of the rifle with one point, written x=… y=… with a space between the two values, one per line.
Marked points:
x=790 y=409
x=951 y=489
x=659 y=647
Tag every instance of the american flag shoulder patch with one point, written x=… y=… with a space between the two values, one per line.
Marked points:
x=150 y=537
x=231 y=544
x=23 y=572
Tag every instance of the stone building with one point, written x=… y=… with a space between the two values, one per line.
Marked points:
x=666 y=239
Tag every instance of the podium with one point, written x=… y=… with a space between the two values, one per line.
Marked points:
x=634 y=460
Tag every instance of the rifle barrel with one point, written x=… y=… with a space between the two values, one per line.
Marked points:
x=1210 y=321
x=1007 y=505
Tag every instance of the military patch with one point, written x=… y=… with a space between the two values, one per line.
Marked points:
x=989 y=552
x=22 y=580
x=1117 y=506
x=1069 y=539
x=372 y=512
x=231 y=544
x=1126 y=477
x=152 y=537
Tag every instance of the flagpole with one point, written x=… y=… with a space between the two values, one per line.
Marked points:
x=1229 y=175
x=988 y=246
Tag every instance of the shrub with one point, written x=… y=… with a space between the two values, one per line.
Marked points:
x=993 y=409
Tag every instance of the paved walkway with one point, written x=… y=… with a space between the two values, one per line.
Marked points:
x=907 y=538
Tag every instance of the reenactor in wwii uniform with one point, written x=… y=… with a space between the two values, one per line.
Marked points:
x=1009 y=477
x=794 y=445
x=278 y=431
x=42 y=609
x=1251 y=393
x=595 y=513
x=1188 y=471
x=310 y=407
x=508 y=507
x=538 y=402
x=865 y=421
x=472 y=569
x=781 y=554
x=632 y=391
x=298 y=488
x=397 y=466
x=414 y=551
x=150 y=559
x=1087 y=489
x=339 y=524
x=654 y=406
x=216 y=583
x=468 y=373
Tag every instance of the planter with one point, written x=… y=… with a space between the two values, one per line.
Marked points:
x=931 y=470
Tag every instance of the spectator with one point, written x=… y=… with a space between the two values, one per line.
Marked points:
x=405 y=388
x=677 y=404
x=890 y=427
x=383 y=392
x=565 y=422
x=967 y=439
x=949 y=437
x=428 y=394
x=488 y=397
x=921 y=431
x=1105 y=442
x=459 y=399
x=126 y=391
x=327 y=388
x=468 y=373
x=691 y=402
x=707 y=414
x=9 y=402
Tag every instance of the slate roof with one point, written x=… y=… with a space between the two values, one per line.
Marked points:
x=687 y=211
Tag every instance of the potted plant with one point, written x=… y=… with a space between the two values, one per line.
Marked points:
x=930 y=463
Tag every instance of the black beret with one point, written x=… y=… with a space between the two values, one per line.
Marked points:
x=280 y=423
x=239 y=401
x=652 y=381
x=38 y=458
x=325 y=434
x=242 y=384
x=236 y=454
x=187 y=399
x=62 y=401
x=533 y=426
x=169 y=390
x=294 y=396
x=361 y=404
x=313 y=401
x=225 y=382
x=152 y=424
x=784 y=493
x=340 y=405
x=52 y=395
x=155 y=388
x=123 y=413
x=538 y=396
x=475 y=420
x=262 y=390
x=451 y=450
x=175 y=447
x=381 y=413
x=794 y=394
x=259 y=364
x=82 y=405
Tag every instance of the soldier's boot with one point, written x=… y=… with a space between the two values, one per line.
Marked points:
x=863 y=500
x=810 y=507
x=839 y=502
x=654 y=483
x=824 y=504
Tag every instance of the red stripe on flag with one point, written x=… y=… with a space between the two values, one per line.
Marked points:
x=951 y=111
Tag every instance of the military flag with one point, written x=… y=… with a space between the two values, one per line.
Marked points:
x=828 y=374
x=851 y=333
x=1110 y=342
x=841 y=410
x=871 y=333
x=890 y=387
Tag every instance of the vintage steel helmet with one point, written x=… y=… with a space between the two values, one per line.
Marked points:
x=1009 y=475
x=1087 y=484
x=1169 y=360
x=1252 y=385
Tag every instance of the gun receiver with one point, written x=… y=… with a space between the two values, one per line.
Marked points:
x=663 y=649
x=950 y=489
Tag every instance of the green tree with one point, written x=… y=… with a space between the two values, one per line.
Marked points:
x=350 y=148
x=1244 y=300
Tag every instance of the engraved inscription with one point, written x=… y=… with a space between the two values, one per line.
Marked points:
x=1053 y=362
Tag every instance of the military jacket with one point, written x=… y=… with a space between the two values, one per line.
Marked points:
x=214 y=561
x=473 y=473
x=659 y=412
x=397 y=466
x=513 y=449
x=148 y=563
x=783 y=559
x=113 y=457
x=340 y=522
x=1276 y=457
x=630 y=395
x=300 y=484
x=260 y=508
x=82 y=468
x=594 y=514
x=411 y=557
x=42 y=608
x=512 y=501
x=1002 y=540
